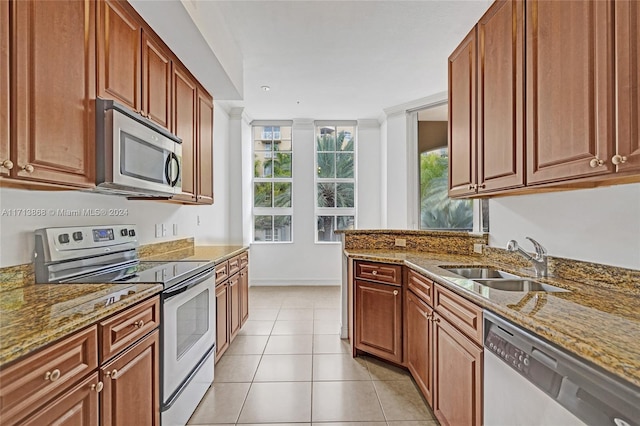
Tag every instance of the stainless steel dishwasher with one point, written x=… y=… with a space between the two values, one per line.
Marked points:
x=528 y=381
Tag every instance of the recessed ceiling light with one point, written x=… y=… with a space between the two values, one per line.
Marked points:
x=265 y=88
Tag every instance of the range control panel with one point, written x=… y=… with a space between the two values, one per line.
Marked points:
x=63 y=241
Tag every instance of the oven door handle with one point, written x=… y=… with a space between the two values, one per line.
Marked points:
x=192 y=282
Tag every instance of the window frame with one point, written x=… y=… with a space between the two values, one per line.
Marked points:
x=334 y=212
x=272 y=211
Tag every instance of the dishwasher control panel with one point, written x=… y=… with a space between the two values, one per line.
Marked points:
x=512 y=355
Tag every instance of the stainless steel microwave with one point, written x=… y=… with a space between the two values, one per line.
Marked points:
x=134 y=156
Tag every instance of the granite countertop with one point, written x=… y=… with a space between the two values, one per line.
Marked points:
x=36 y=315
x=600 y=324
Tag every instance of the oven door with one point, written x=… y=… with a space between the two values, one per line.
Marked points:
x=189 y=330
x=144 y=158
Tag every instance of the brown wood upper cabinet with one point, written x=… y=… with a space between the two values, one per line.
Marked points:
x=568 y=117
x=627 y=42
x=119 y=53
x=205 y=147
x=569 y=90
x=134 y=66
x=486 y=151
x=5 y=162
x=50 y=88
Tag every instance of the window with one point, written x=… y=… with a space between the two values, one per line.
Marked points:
x=335 y=187
x=437 y=210
x=272 y=183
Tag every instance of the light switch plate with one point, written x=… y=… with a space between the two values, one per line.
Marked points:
x=175 y=229
x=158 y=230
x=477 y=248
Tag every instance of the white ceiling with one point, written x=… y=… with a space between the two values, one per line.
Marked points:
x=340 y=59
x=322 y=59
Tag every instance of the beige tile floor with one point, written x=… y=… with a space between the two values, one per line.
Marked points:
x=288 y=366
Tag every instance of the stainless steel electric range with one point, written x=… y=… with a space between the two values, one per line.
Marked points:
x=109 y=254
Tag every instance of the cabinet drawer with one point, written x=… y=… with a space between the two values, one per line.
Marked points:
x=381 y=272
x=222 y=272
x=44 y=375
x=463 y=314
x=121 y=330
x=244 y=260
x=234 y=265
x=421 y=286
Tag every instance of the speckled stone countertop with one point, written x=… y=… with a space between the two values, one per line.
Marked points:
x=36 y=315
x=602 y=325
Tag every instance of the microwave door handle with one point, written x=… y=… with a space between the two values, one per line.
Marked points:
x=168 y=169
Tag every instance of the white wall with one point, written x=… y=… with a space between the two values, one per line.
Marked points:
x=599 y=225
x=301 y=262
x=369 y=178
x=396 y=172
x=16 y=232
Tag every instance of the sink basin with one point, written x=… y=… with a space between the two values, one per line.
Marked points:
x=480 y=273
x=522 y=285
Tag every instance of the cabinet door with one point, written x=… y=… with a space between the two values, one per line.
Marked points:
x=628 y=83
x=462 y=118
x=457 y=377
x=156 y=81
x=119 y=43
x=235 y=316
x=222 y=319
x=184 y=126
x=419 y=347
x=569 y=89
x=379 y=320
x=500 y=97
x=54 y=53
x=78 y=407
x=4 y=89
x=204 y=164
x=131 y=394
x=244 y=295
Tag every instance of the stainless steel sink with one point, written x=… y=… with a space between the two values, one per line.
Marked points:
x=500 y=280
x=473 y=273
x=521 y=284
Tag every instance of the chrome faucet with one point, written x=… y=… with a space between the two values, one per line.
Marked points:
x=539 y=260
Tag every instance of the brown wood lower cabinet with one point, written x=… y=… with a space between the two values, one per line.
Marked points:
x=78 y=406
x=222 y=329
x=232 y=300
x=234 y=306
x=457 y=376
x=244 y=296
x=378 y=320
x=85 y=380
x=419 y=344
x=131 y=394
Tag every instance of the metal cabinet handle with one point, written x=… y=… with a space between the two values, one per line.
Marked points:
x=395 y=292
x=52 y=376
x=97 y=387
x=7 y=164
x=618 y=159
x=375 y=272
x=28 y=168
x=138 y=324
x=111 y=374
x=435 y=319
x=481 y=186
x=596 y=162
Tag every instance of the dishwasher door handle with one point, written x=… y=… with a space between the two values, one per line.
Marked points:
x=545 y=359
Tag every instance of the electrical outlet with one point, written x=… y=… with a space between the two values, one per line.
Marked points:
x=164 y=230
x=158 y=230
x=477 y=248
x=175 y=229
x=401 y=242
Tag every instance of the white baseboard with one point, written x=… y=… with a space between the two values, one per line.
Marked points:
x=259 y=283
